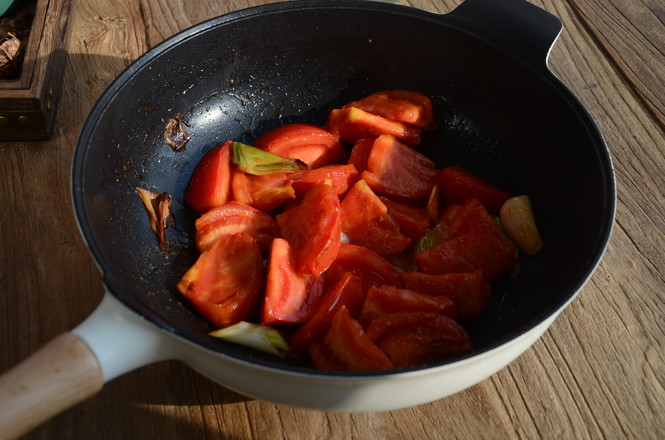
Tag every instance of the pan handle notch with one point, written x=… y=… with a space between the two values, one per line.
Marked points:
x=518 y=27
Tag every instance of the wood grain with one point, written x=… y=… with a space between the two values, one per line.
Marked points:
x=632 y=34
x=597 y=373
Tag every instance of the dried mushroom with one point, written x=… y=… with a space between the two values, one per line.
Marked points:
x=158 y=206
x=175 y=134
x=14 y=34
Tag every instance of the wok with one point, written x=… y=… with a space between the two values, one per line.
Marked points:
x=501 y=113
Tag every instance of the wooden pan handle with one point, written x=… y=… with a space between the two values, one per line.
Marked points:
x=61 y=374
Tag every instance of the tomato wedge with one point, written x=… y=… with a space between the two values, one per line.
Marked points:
x=225 y=281
x=342 y=177
x=360 y=153
x=352 y=123
x=457 y=185
x=347 y=292
x=414 y=222
x=233 y=217
x=370 y=267
x=347 y=347
x=290 y=295
x=265 y=192
x=313 y=228
x=313 y=145
x=398 y=171
x=470 y=291
x=416 y=338
x=404 y=106
x=476 y=242
x=210 y=183
x=366 y=221
x=382 y=300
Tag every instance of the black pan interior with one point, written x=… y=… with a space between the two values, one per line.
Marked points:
x=237 y=76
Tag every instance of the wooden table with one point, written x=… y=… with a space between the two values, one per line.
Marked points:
x=599 y=372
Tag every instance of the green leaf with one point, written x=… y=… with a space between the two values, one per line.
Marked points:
x=259 y=337
x=256 y=161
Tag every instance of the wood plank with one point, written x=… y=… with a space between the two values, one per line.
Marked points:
x=633 y=34
x=633 y=407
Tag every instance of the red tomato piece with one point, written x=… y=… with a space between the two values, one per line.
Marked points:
x=347 y=347
x=414 y=222
x=347 y=292
x=313 y=228
x=322 y=358
x=416 y=338
x=352 y=123
x=210 y=183
x=313 y=145
x=398 y=171
x=382 y=300
x=366 y=221
x=265 y=192
x=233 y=217
x=476 y=242
x=399 y=105
x=470 y=291
x=342 y=176
x=225 y=282
x=290 y=295
x=360 y=153
x=370 y=267
x=458 y=185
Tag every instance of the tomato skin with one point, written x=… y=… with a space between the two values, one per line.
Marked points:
x=225 y=282
x=347 y=347
x=352 y=123
x=403 y=106
x=313 y=145
x=398 y=171
x=415 y=338
x=370 y=267
x=383 y=300
x=347 y=292
x=457 y=185
x=233 y=217
x=290 y=295
x=343 y=177
x=476 y=242
x=469 y=291
x=366 y=221
x=210 y=183
x=313 y=228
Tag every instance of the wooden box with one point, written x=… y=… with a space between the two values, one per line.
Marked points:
x=28 y=102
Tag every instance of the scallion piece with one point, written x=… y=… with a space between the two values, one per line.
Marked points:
x=256 y=161
x=259 y=337
x=429 y=240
